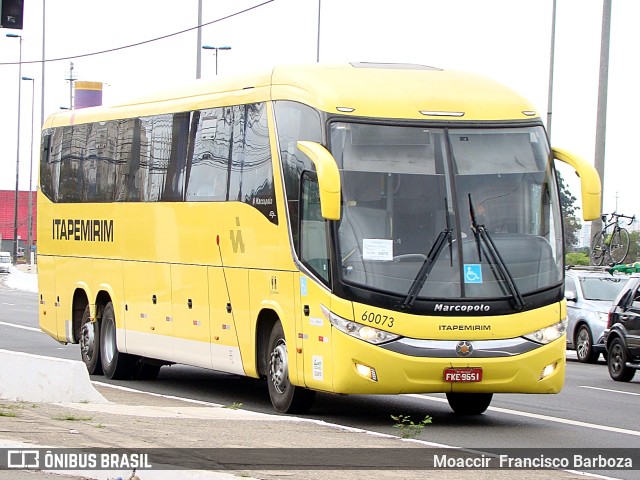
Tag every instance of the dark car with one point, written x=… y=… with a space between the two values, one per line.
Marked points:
x=622 y=336
x=589 y=291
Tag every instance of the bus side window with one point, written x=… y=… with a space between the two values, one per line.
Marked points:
x=313 y=228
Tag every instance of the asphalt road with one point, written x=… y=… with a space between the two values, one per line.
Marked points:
x=592 y=411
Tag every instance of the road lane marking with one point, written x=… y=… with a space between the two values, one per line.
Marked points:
x=575 y=423
x=609 y=390
x=21 y=326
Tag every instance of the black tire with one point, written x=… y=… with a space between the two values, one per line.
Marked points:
x=619 y=246
x=469 y=403
x=598 y=249
x=89 y=339
x=584 y=345
x=115 y=365
x=285 y=397
x=617 y=362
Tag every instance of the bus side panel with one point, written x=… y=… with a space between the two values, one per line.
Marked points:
x=316 y=328
x=47 y=297
x=148 y=315
x=190 y=298
x=225 y=350
x=71 y=273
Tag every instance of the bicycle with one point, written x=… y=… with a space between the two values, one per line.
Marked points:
x=614 y=245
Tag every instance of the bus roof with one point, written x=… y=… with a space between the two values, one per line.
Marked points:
x=357 y=89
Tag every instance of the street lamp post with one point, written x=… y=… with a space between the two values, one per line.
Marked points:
x=209 y=47
x=15 y=209
x=30 y=227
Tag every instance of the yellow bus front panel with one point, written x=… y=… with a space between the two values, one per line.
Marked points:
x=397 y=373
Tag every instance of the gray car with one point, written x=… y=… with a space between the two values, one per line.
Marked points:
x=589 y=291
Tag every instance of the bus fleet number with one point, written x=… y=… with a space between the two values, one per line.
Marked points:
x=378 y=319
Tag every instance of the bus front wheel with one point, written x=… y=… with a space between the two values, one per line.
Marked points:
x=90 y=343
x=285 y=397
x=469 y=403
x=115 y=364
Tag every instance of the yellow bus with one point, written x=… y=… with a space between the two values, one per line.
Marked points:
x=356 y=229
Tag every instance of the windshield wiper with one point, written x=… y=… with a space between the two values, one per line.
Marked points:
x=482 y=236
x=428 y=264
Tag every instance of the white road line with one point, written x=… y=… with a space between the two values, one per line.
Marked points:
x=609 y=390
x=21 y=326
x=537 y=416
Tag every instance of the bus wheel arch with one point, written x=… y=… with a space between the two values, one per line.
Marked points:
x=79 y=304
x=266 y=320
x=285 y=397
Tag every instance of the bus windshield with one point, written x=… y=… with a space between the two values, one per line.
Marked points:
x=468 y=213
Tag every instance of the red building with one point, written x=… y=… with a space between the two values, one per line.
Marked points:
x=7 y=214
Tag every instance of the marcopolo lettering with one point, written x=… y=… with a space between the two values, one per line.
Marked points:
x=83 y=230
x=443 y=307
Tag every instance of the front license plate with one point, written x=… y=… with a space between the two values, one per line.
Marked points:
x=473 y=374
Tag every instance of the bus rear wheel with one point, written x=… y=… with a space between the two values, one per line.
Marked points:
x=89 y=339
x=469 y=403
x=116 y=365
x=285 y=397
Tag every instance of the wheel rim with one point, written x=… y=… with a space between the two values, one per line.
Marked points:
x=88 y=341
x=278 y=367
x=583 y=344
x=109 y=341
x=597 y=253
x=619 y=246
x=616 y=359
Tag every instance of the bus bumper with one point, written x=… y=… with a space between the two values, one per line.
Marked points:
x=361 y=367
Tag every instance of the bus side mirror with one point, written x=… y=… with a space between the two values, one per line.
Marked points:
x=589 y=183
x=328 y=178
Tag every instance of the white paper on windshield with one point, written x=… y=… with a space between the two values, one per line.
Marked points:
x=377 y=249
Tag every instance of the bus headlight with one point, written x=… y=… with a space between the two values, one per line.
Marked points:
x=548 y=334
x=358 y=330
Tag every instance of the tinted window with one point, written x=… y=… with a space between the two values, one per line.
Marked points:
x=214 y=154
x=207 y=178
x=251 y=172
x=295 y=122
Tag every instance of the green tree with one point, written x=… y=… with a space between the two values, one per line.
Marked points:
x=576 y=258
x=570 y=222
x=634 y=247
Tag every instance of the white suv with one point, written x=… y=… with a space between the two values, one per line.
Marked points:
x=589 y=291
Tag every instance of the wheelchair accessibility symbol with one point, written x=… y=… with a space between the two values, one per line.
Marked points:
x=472 y=273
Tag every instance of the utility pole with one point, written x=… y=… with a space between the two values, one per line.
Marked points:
x=551 y=65
x=318 y=42
x=603 y=86
x=199 y=42
x=71 y=79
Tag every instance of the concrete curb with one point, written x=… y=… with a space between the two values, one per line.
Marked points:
x=33 y=378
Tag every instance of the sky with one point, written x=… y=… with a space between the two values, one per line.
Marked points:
x=507 y=40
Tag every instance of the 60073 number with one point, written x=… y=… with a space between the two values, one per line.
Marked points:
x=377 y=318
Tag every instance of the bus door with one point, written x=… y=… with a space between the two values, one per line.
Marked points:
x=148 y=310
x=314 y=253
